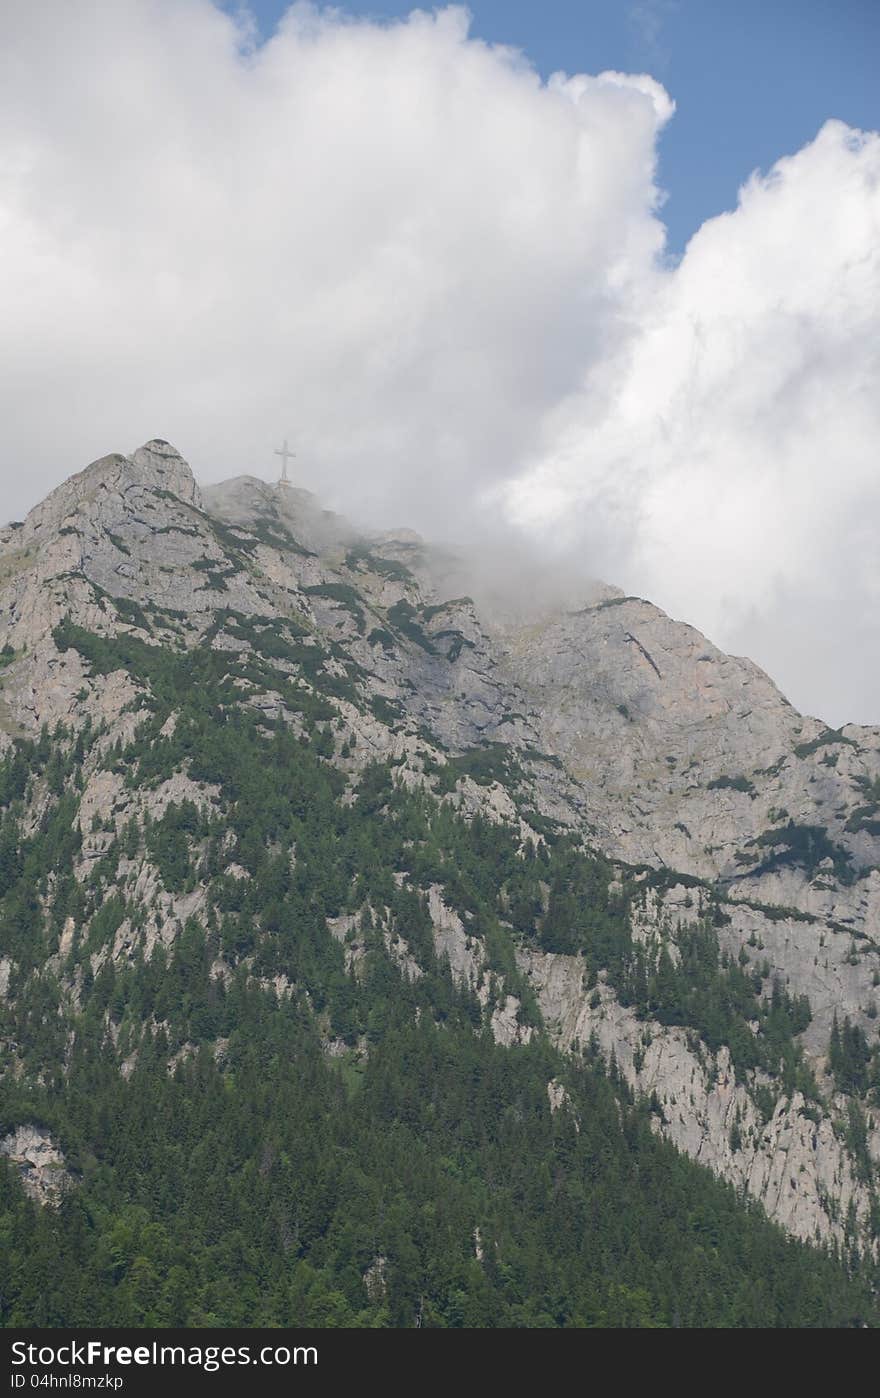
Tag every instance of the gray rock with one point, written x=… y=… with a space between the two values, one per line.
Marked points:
x=39 y=1162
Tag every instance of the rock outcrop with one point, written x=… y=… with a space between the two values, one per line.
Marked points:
x=39 y=1162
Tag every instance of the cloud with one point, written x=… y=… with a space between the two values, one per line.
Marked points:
x=444 y=279
x=726 y=460
x=394 y=243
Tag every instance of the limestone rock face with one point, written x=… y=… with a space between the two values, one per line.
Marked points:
x=612 y=720
x=796 y=1165
x=686 y=755
x=39 y=1163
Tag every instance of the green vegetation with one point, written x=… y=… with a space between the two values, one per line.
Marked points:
x=402 y=616
x=272 y=532
x=867 y=817
x=718 y=997
x=118 y=543
x=855 y=1067
x=430 y=612
x=379 y=637
x=234 y=540
x=360 y=558
x=215 y=574
x=132 y=612
x=734 y=784
x=491 y=763
x=457 y=642
x=260 y=1190
x=612 y=602
x=831 y=735
x=345 y=596
x=237 y=1174
x=805 y=847
x=774 y=912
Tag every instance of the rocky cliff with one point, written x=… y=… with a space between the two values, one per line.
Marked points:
x=725 y=825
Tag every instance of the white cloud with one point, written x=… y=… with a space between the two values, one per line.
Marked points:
x=394 y=243
x=727 y=459
x=444 y=279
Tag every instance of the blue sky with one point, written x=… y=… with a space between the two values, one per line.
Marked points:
x=752 y=79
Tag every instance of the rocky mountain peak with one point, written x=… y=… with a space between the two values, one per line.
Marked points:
x=734 y=826
x=248 y=502
x=163 y=465
x=154 y=467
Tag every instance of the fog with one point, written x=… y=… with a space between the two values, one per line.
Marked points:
x=445 y=281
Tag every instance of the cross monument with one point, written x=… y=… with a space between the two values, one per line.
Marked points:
x=286 y=456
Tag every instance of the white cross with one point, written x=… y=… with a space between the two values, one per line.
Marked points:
x=286 y=456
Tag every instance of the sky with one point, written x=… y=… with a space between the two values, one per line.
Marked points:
x=752 y=79
x=601 y=281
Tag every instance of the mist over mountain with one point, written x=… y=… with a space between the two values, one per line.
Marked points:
x=447 y=279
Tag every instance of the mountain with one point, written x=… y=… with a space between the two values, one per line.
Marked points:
x=371 y=956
